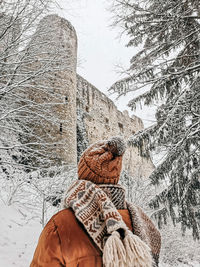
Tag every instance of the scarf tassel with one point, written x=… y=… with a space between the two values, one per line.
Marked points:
x=114 y=253
x=131 y=252
x=138 y=253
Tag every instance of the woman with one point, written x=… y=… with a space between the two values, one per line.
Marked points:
x=97 y=226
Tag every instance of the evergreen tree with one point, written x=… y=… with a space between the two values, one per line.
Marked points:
x=167 y=67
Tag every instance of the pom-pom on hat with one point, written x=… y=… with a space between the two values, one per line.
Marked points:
x=101 y=163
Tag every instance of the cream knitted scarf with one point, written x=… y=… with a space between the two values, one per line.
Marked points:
x=95 y=210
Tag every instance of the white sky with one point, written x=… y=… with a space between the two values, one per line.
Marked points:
x=99 y=48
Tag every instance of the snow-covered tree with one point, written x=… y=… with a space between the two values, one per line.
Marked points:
x=18 y=20
x=30 y=96
x=138 y=189
x=32 y=63
x=167 y=68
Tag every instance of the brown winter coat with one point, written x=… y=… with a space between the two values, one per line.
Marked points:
x=65 y=243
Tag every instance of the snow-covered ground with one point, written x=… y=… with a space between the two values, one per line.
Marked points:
x=19 y=236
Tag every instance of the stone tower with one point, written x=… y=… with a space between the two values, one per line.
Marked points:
x=53 y=52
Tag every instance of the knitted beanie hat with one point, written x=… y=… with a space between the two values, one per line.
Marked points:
x=101 y=163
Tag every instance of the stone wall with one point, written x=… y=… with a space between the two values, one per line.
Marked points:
x=98 y=117
x=53 y=52
x=103 y=120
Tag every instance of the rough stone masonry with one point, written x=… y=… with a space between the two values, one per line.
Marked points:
x=98 y=117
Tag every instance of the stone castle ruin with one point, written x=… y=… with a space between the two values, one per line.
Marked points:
x=83 y=114
x=90 y=114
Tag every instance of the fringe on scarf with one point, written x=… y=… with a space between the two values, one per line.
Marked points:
x=129 y=252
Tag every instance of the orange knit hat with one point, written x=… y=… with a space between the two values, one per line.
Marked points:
x=101 y=163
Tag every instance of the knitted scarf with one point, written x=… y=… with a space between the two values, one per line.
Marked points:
x=95 y=207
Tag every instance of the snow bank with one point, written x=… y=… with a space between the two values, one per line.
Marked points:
x=18 y=237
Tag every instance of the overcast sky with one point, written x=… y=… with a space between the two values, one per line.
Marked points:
x=99 y=47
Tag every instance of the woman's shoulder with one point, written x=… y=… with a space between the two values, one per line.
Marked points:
x=65 y=216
